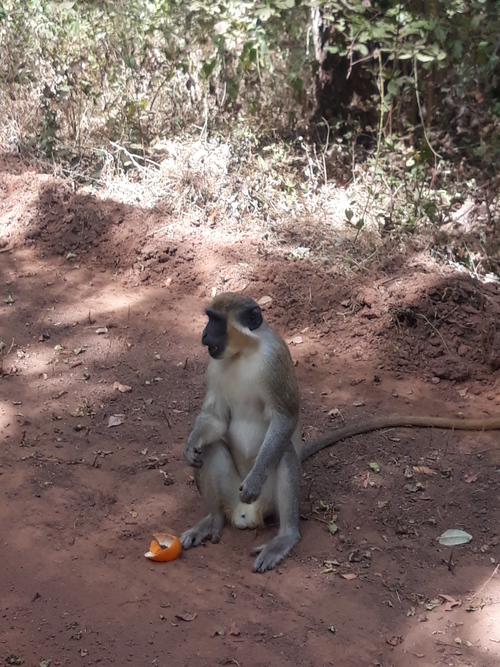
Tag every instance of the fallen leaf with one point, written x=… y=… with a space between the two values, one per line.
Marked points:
x=424 y=470
x=332 y=528
x=326 y=358
x=349 y=576
x=264 y=300
x=450 y=602
x=414 y=488
x=468 y=479
x=219 y=633
x=124 y=388
x=101 y=330
x=394 y=640
x=59 y=394
x=454 y=537
x=186 y=616
x=233 y=630
x=374 y=466
x=115 y=420
x=296 y=340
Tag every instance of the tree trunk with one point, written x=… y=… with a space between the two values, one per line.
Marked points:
x=341 y=91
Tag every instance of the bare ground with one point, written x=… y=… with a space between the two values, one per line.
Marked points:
x=81 y=500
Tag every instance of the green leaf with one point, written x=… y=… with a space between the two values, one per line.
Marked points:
x=374 y=466
x=425 y=57
x=393 y=87
x=333 y=528
x=454 y=537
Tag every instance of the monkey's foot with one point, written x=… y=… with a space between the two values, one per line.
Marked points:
x=209 y=527
x=270 y=554
x=246 y=516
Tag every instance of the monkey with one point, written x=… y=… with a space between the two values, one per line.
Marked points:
x=246 y=441
x=246 y=444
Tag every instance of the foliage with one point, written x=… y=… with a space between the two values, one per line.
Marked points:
x=133 y=70
x=94 y=83
x=436 y=62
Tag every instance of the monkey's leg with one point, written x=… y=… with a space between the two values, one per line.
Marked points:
x=286 y=498
x=218 y=482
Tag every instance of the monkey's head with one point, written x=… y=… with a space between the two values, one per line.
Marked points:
x=232 y=320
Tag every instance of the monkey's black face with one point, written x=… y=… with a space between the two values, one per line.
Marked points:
x=215 y=335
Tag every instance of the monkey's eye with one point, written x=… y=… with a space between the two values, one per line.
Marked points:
x=252 y=318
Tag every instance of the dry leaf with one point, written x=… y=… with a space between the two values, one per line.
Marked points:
x=264 y=300
x=349 y=576
x=394 y=640
x=101 y=330
x=296 y=340
x=59 y=394
x=124 y=388
x=233 y=630
x=115 y=420
x=186 y=616
x=450 y=602
x=468 y=479
x=424 y=470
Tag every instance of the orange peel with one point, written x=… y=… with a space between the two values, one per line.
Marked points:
x=164 y=547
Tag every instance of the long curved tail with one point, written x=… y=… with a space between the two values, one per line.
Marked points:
x=394 y=421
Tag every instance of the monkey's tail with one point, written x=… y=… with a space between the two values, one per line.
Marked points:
x=394 y=421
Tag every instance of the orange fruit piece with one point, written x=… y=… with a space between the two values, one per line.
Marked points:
x=164 y=547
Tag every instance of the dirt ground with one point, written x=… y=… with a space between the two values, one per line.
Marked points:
x=92 y=294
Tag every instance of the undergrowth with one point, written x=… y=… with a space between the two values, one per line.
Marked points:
x=194 y=110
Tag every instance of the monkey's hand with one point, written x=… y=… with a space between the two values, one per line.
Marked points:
x=251 y=488
x=192 y=455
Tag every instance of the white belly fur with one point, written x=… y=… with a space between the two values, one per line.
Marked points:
x=248 y=425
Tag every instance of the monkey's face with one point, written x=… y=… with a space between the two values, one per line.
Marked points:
x=231 y=331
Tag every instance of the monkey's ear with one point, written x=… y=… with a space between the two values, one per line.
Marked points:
x=252 y=318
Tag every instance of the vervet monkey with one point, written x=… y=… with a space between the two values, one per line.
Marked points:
x=246 y=445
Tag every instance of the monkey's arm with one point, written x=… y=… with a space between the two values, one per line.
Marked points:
x=210 y=425
x=276 y=443
x=395 y=421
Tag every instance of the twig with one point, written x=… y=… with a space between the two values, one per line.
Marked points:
x=417 y=94
x=436 y=330
x=10 y=348
x=160 y=229
x=144 y=599
x=132 y=157
x=325 y=149
x=486 y=582
x=5 y=249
